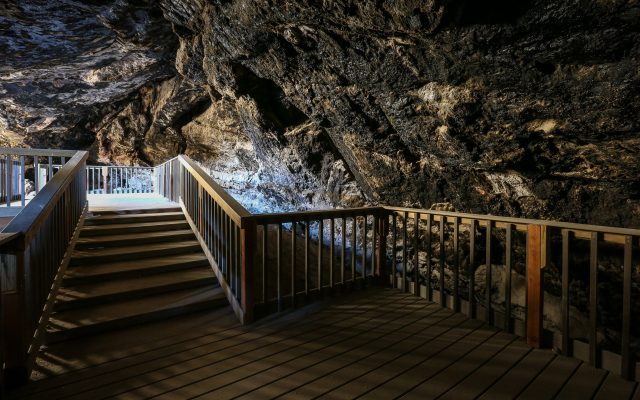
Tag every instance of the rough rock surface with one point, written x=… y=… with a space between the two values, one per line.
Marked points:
x=526 y=108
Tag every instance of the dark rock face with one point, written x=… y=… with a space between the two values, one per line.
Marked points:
x=522 y=108
x=525 y=108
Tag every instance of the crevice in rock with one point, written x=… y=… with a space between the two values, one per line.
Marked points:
x=276 y=109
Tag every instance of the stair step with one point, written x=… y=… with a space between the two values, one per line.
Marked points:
x=123 y=269
x=134 y=218
x=110 y=291
x=134 y=238
x=86 y=321
x=87 y=257
x=115 y=229
x=137 y=211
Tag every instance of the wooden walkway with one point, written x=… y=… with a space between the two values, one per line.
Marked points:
x=376 y=344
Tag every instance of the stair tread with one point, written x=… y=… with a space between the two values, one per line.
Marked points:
x=132 y=236
x=83 y=317
x=107 y=288
x=137 y=265
x=78 y=255
x=142 y=216
x=108 y=229
x=137 y=211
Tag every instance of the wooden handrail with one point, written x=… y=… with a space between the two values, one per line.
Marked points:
x=230 y=205
x=525 y=221
x=33 y=247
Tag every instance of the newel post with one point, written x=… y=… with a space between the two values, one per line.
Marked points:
x=14 y=323
x=247 y=249
x=537 y=254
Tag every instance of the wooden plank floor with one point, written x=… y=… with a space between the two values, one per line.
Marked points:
x=376 y=344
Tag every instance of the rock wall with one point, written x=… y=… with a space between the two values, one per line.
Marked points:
x=525 y=108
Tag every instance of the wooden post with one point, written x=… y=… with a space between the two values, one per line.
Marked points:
x=536 y=259
x=381 y=266
x=14 y=321
x=247 y=243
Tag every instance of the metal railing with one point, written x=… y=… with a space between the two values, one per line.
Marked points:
x=30 y=260
x=120 y=180
x=14 y=164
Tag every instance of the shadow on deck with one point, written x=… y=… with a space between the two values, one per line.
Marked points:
x=379 y=343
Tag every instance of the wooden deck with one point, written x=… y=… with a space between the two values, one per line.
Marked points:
x=377 y=344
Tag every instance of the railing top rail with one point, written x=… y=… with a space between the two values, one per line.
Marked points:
x=230 y=205
x=29 y=219
x=525 y=221
x=36 y=152
x=272 y=218
x=7 y=237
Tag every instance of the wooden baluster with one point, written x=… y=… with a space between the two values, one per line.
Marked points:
x=265 y=252
x=375 y=267
x=567 y=237
x=488 y=277
x=306 y=260
x=353 y=251
x=279 y=266
x=320 y=248
x=593 y=301
x=394 y=250
x=332 y=255
x=472 y=268
x=293 y=263
x=428 y=266
x=628 y=359
x=456 y=264
x=383 y=226
x=416 y=258
x=405 y=219
x=507 y=281
x=443 y=299
x=343 y=250
x=364 y=248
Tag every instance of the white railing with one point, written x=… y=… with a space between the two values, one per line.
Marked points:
x=117 y=179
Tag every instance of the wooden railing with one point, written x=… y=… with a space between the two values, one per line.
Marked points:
x=120 y=179
x=31 y=257
x=220 y=225
x=511 y=272
x=307 y=255
x=539 y=252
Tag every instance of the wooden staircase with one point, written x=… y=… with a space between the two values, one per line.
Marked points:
x=131 y=267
